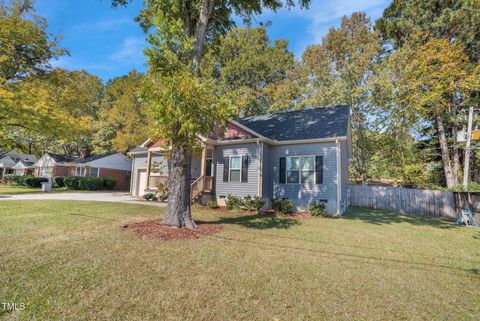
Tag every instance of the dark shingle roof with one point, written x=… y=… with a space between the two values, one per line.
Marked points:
x=91 y=158
x=60 y=158
x=325 y=122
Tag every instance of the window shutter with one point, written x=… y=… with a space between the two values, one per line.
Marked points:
x=282 y=170
x=318 y=169
x=226 y=166
x=244 y=169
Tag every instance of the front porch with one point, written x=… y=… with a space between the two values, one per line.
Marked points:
x=201 y=169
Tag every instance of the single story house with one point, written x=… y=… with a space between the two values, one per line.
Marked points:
x=114 y=165
x=9 y=159
x=23 y=168
x=300 y=155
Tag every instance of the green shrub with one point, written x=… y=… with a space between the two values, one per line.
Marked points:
x=471 y=187
x=72 y=182
x=10 y=178
x=59 y=181
x=212 y=204
x=90 y=183
x=233 y=203
x=150 y=197
x=162 y=191
x=253 y=203
x=282 y=205
x=32 y=181
x=317 y=209
x=109 y=182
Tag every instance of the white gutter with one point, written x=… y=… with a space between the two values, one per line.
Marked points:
x=132 y=174
x=260 y=167
x=339 y=176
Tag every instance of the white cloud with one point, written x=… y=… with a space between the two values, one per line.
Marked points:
x=323 y=15
x=131 y=51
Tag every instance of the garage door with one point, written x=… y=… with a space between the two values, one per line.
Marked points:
x=141 y=182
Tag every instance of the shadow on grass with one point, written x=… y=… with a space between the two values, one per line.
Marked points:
x=378 y=217
x=258 y=221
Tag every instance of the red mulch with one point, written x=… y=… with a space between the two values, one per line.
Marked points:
x=156 y=230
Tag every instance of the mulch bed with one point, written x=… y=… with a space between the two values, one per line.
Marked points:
x=156 y=230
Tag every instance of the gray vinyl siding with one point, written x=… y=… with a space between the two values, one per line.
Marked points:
x=303 y=194
x=236 y=188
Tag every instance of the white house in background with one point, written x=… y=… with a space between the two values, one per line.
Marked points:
x=23 y=168
x=8 y=160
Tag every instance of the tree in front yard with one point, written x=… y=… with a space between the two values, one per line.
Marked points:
x=182 y=101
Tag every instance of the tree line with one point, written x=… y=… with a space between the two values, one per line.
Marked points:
x=409 y=78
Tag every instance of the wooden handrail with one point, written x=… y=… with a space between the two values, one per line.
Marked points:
x=199 y=185
x=195 y=190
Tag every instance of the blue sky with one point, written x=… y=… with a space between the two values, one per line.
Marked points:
x=108 y=43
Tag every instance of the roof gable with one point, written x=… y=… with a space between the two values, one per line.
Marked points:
x=231 y=131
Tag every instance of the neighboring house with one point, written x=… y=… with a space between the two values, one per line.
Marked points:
x=114 y=165
x=51 y=165
x=299 y=155
x=9 y=159
x=23 y=168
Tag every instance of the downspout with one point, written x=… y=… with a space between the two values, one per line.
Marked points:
x=339 y=177
x=132 y=174
x=260 y=167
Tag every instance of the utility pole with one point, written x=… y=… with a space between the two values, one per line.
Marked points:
x=467 y=149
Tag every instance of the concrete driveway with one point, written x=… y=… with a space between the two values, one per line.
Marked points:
x=117 y=197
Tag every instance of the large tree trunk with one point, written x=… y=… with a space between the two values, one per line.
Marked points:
x=178 y=213
x=445 y=154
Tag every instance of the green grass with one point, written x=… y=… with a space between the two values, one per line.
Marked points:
x=72 y=261
x=7 y=189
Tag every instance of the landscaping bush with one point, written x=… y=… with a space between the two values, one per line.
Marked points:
x=150 y=197
x=10 y=178
x=162 y=191
x=471 y=187
x=282 y=205
x=59 y=181
x=72 y=182
x=317 y=209
x=212 y=204
x=32 y=181
x=233 y=203
x=253 y=203
x=90 y=183
x=109 y=183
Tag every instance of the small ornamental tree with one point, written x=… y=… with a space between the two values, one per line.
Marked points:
x=181 y=102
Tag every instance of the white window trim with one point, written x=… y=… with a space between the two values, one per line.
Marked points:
x=300 y=170
x=98 y=171
x=230 y=168
x=76 y=170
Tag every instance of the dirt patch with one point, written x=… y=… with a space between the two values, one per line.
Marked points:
x=154 y=229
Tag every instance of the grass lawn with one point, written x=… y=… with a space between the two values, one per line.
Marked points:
x=6 y=189
x=72 y=261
